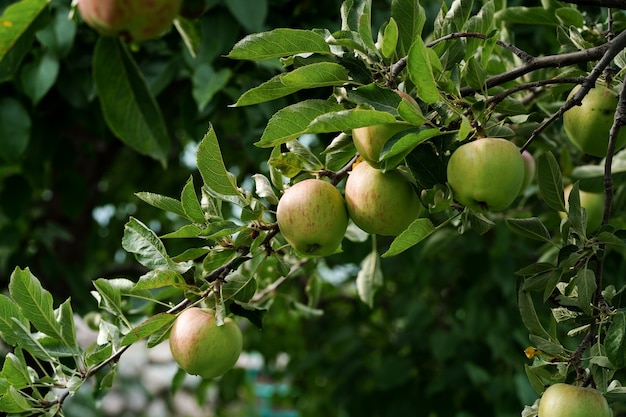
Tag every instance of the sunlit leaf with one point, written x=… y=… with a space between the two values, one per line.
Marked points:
x=279 y=43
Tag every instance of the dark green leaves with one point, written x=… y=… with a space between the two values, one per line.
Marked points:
x=129 y=108
x=550 y=181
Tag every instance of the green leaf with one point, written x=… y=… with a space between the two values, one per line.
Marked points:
x=148 y=327
x=575 y=212
x=207 y=82
x=346 y=120
x=99 y=354
x=18 y=25
x=293 y=121
x=411 y=113
x=158 y=278
x=375 y=97
x=529 y=315
x=65 y=317
x=401 y=144
x=34 y=301
x=615 y=340
x=253 y=313
x=109 y=296
x=279 y=43
x=146 y=245
x=370 y=278
x=250 y=14
x=410 y=17
x=30 y=342
x=14 y=401
x=586 y=284
x=9 y=314
x=269 y=90
x=15 y=372
x=417 y=231
x=238 y=287
x=527 y=15
x=421 y=72
x=163 y=202
x=319 y=74
x=390 y=39
x=15 y=127
x=212 y=168
x=532 y=228
x=550 y=181
x=130 y=110
x=38 y=76
x=190 y=203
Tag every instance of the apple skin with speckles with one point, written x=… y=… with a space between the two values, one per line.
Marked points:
x=201 y=347
x=382 y=203
x=312 y=217
x=564 y=400
x=133 y=20
x=486 y=174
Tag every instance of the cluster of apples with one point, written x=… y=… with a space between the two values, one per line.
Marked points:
x=137 y=20
x=313 y=216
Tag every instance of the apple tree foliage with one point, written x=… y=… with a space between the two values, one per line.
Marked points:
x=464 y=313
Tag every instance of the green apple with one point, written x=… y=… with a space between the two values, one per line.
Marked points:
x=593 y=203
x=563 y=400
x=312 y=217
x=201 y=347
x=529 y=170
x=587 y=126
x=134 y=20
x=370 y=140
x=382 y=203
x=486 y=174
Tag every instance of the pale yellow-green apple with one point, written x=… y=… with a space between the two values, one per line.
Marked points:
x=529 y=169
x=382 y=203
x=587 y=126
x=370 y=140
x=312 y=217
x=593 y=203
x=486 y=174
x=133 y=20
x=564 y=400
x=201 y=347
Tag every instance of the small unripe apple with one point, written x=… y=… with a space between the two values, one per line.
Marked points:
x=587 y=126
x=370 y=140
x=529 y=169
x=593 y=203
x=563 y=400
x=134 y=20
x=201 y=347
x=312 y=217
x=486 y=174
x=382 y=203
